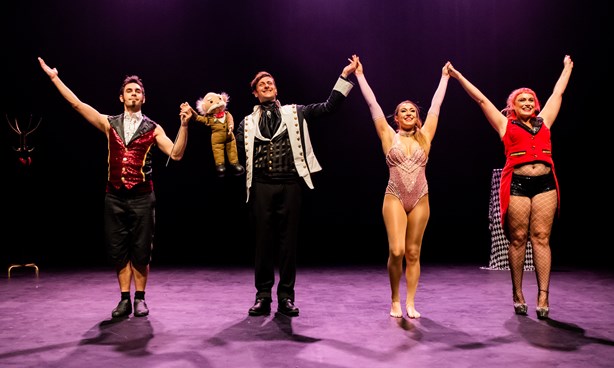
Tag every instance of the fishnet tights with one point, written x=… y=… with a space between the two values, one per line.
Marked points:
x=531 y=218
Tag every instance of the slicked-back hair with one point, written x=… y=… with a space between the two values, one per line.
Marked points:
x=258 y=77
x=132 y=79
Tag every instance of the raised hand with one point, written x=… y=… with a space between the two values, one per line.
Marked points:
x=351 y=67
x=445 y=71
x=185 y=112
x=567 y=61
x=51 y=72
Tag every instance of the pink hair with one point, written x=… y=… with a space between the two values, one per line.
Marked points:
x=509 y=107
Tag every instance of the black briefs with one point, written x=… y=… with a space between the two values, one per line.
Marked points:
x=529 y=186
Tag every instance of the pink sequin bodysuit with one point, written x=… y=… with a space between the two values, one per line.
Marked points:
x=407 y=179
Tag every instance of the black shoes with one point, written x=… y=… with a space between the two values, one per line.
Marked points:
x=220 y=170
x=237 y=169
x=261 y=307
x=140 y=308
x=123 y=309
x=286 y=306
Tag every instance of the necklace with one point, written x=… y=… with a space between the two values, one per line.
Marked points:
x=404 y=133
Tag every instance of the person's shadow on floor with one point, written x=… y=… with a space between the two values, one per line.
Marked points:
x=128 y=335
x=249 y=334
x=556 y=335
x=261 y=328
x=129 y=338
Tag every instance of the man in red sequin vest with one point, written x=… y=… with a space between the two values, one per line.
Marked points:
x=130 y=200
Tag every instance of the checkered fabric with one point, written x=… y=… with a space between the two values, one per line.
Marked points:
x=499 y=243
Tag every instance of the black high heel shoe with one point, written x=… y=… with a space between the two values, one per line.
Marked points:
x=521 y=309
x=542 y=312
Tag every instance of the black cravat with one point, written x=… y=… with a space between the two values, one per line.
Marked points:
x=269 y=119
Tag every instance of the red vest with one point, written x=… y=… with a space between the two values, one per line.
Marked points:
x=130 y=164
x=523 y=146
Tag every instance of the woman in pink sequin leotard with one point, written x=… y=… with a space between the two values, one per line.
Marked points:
x=407 y=179
x=406 y=207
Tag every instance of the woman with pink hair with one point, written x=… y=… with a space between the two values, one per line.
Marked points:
x=529 y=192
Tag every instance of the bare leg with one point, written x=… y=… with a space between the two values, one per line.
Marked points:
x=395 y=270
x=140 y=272
x=124 y=277
x=416 y=225
x=412 y=274
x=396 y=223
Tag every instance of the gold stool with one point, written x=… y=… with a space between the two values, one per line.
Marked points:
x=32 y=265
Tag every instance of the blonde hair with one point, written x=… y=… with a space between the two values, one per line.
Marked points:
x=418 y=136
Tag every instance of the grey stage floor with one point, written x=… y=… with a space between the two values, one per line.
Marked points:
x=199 y=319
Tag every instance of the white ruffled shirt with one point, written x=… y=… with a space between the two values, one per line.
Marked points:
x=131 y=124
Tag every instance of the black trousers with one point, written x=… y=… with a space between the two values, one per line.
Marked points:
x=129 y=227
x=274 y=214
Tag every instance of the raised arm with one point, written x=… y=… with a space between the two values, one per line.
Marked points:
x=350 y=68
x=90 y=114
x=493 y=115
x=432 y=116
x=383 y=129
x=175 y=149
x=553 y=105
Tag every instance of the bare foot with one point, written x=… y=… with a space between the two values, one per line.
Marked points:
x=412 y=312
x=395 y=310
